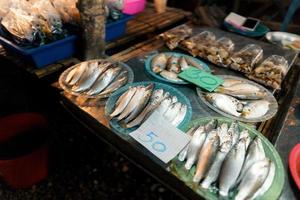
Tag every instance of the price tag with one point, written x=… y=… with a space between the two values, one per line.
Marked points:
x=201 y=78
x=160 y=137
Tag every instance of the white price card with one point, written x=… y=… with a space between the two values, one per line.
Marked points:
x=160 y=137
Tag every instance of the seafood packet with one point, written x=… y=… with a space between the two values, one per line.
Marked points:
x=198 y=44
x=219 y=52
x=271 y=71
x=245 y=59
x=174 y=36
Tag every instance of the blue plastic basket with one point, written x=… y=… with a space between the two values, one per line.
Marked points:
x=117 y=28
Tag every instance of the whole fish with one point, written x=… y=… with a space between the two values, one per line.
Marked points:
x=104 y=80
x=170 y=75
x=211 y=125
x=183 y=63
x=182 y=155
x=164 y=105
x=255 y=153
x=155 y=99
x=195 y=146
x=256 y=109
x=234 y=132
x=231 y=81
x=172 y=111
x=223 y=133
x=179 y=118
x=123 y=101
x=119 y=81
x=76 y=74
x=253 y=179
x=231 y=167
x=224 y=103
x=159 y=62
x=245 y=136
x=133 y=102
x=172 y=64
x=207 y=155
x=191 y=62
x=141 y=104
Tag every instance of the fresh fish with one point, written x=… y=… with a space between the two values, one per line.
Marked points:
x=234 y=132
x=164 y=105
x=210 y=125
x=74 y=78
x=255 y=153
x=179 y=118
x=119 y=81
x=133 y=102
x=71 y=74
x=141 y=104
x=223 y=133
x=172 y=111
x=104 y=80
x=174 y=99
x=123 y=101
x=224 y=103
x=245 y=135
x=170 y=75
x=183 y=63
x=256 y=109
x=267 y=183
x=230 y=81
x=195 y=146
x=182 y=155
x=253 y=179
x=155 y=99
x=207 y=155
x=172 y=64
x=191 y=62
x=159 y=62
x=231 y=167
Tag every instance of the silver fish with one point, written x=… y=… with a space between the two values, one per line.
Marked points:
x=170 y=75
x=155 y=100
x=172 y=64
x=119 y=81
x=234 y=132
x=256 y=109
x=224 y=103
x=123 y=101
x=253 y=179
x=207 y=155
x=179 y=118
x=141 y=104
x=210 y=125
x=231 y=167
x=159 y=62
x=223 y=133
x=76 y=75
x=172 y=111
x=164 y=105
x=195 y=146
x=245 y=135
x=133 y=102
x=193 y=63
x=183 y=63
x=174 y=99
x=182 y=155
x=230 y=81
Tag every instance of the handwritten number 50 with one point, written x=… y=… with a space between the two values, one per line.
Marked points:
x=150 y=138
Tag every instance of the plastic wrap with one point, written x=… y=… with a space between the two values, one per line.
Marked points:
x=67 y=10
x=271 y=71
x=245 y=59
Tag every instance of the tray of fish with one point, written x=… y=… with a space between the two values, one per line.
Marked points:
x=131 y=105
x=229 y=160
x=95 y=78
x=166 y=66
x=241 y=99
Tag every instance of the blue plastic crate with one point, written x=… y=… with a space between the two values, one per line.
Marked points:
x=117 y=28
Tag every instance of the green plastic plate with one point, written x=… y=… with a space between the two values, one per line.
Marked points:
x=177 y=167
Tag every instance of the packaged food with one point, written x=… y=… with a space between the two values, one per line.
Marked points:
x=220 y=51
x=67 y=10
x=271 y=71
x=245 y=59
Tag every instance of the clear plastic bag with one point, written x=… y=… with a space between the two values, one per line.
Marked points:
x=245 y=59
x=4 y=7
x=67 y=10
x=271 y=71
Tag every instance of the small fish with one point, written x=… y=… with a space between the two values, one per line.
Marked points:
x=195 y=146
x=182 y=155
x=256 y=109
x=231 y=167
x=234 y=132
x=230 y=81
x=193 y=63
x=210 y=125
x=159 y=62
x=244 y=135
x=172 y=111
x=141 y=104
x=253 y=179
x=223 y=133
x=119 y=81
x=224 y=103
x=179 y=118
x=170 y=75
x=76 y=75
x=164 y=105
x=123 y=101
x=155 y=99
x=104 y=80
x=207 y=155
x=174 y=99
x=183 y=63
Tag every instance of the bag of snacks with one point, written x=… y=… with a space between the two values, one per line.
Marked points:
x=271 y=71
x=245 y=59
x=67 y=10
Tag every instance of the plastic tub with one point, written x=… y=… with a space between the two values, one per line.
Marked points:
x=117 y=28
x=132 y=7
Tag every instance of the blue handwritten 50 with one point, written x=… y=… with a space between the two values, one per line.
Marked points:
x=153 y=139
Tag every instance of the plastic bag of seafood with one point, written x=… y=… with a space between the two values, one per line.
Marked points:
x=271 y=71
x=219 y=52
x=198 y=44
x=174 y=36
x=245 y=59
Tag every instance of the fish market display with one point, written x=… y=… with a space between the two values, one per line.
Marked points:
x=167 y=66
x=137 y=102
x=271 y=71
x=174 y=36
x=245 y=59
x=95 y=78
x=228 y=161
x=241 y=99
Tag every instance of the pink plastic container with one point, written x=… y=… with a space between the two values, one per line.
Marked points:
x=132 y=7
